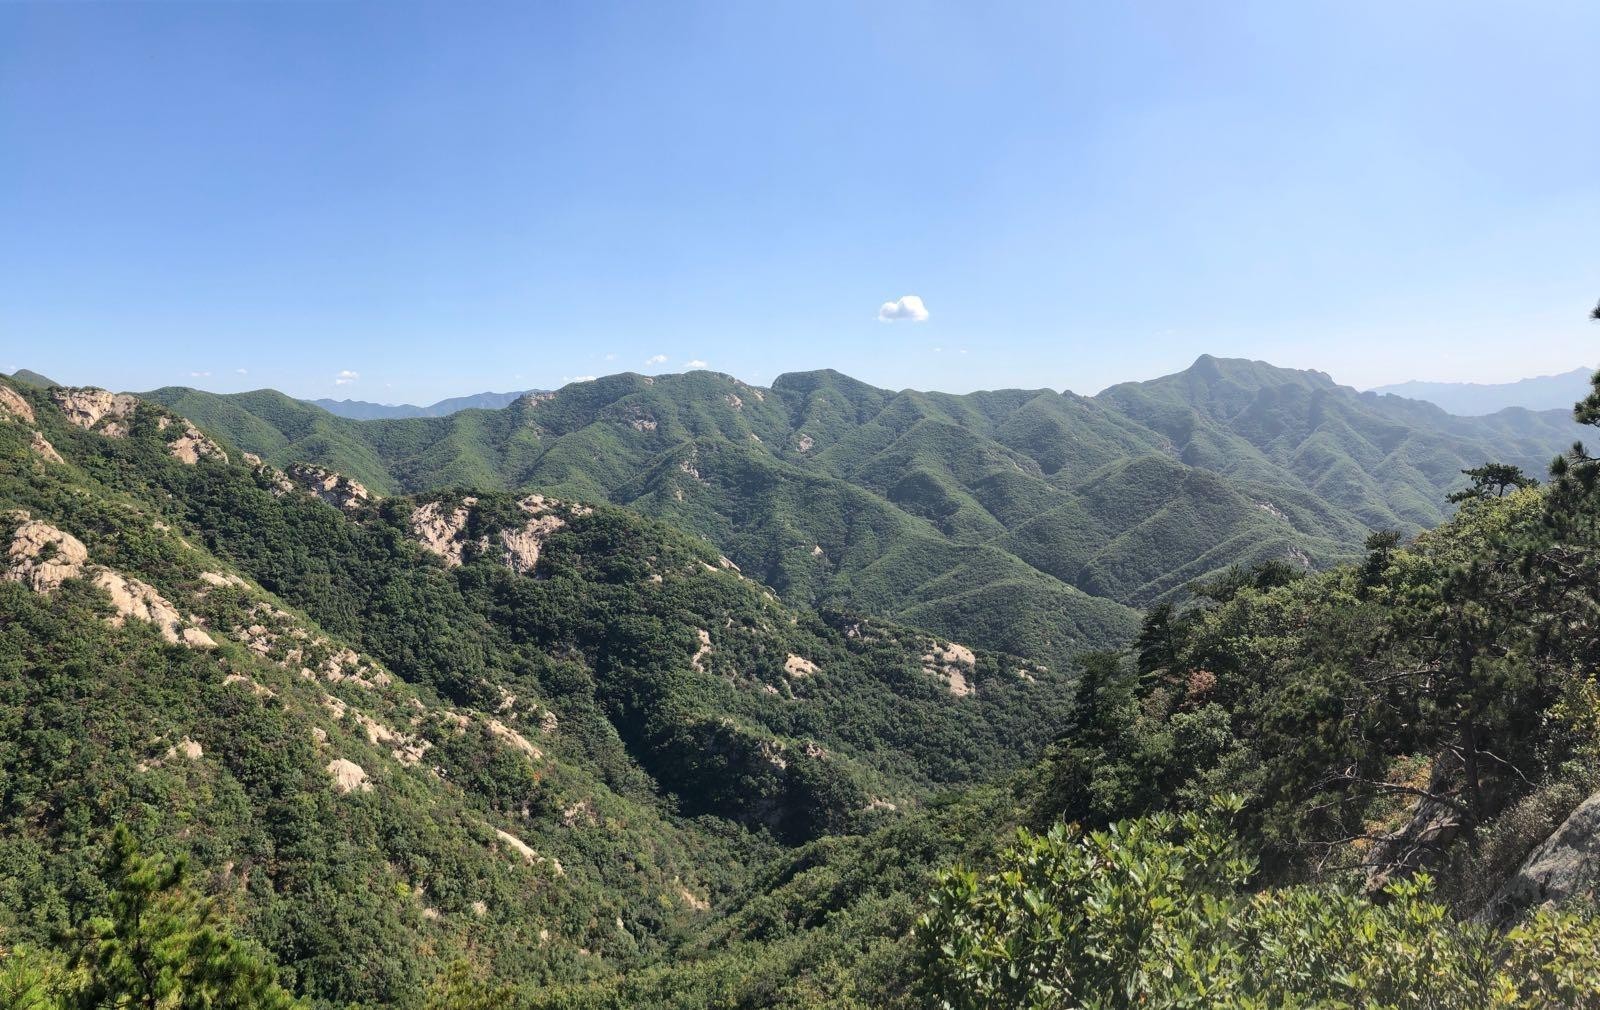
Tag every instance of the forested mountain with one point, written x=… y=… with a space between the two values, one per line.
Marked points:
x=474 y=747
x=1543 y=392
x=1026 y=521
x=537 y=734
x=362 y=410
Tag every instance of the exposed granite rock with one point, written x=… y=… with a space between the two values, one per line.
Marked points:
x=332 y=487
x=953 y=664
x=1565 y=866
x=348 y=777
x=41 y=556
x=42 y=446
x=88 y=406
x=192 y=446
x=12 y=405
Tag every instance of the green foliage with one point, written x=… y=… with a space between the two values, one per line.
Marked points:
x=158 y=946
x=1022 y=521
x=1156 y=912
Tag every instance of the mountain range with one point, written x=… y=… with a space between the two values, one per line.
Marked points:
x=362 y=410
x=675 y=691
x=1470 y=399
x=1032 y=522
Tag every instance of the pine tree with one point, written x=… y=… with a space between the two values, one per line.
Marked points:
x=160 y=947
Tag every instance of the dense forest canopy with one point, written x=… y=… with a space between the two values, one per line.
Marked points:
x=541 y=732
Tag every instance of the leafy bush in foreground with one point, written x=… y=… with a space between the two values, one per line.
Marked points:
x=1155 y=912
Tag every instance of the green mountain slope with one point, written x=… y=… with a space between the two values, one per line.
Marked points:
x=1026 y=521
x=539 y=736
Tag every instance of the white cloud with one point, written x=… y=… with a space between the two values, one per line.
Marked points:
x=697 y=363
x=611 y=356
x=655 y=359
x=577 y=378
x=909 y=308
x=199 y=375
x=240 y=371
x=345 y=377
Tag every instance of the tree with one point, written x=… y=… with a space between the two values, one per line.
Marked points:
x=160 y=947
x=1499 y=477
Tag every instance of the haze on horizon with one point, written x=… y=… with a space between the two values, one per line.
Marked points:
x=402 y=202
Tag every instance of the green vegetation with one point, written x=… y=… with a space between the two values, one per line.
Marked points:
x=1022 y=521
x=469 y=748
x=1158 y=912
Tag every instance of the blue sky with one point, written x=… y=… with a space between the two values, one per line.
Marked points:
x=435 y=199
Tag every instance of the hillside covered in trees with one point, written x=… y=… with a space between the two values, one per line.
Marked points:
x=1025 y=521
x=473 y=746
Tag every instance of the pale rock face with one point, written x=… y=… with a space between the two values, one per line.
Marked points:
x=140 y=601
x=523 y=849
x=187 y=748
x=348 y=777
x=13 y=405
x=734 y=401
x=192 y=446
x=953 y=664
x=514 y=738
x=254 y=687
x=441 y=532
x=692 y=899
x=1564 y=868
x=799 y=666
x=703 y=651
x=42 y=446
x=42 y=557
x=221 y=579
x=805 y=442
x=522 y=546
x=87 y=407
x=444 y=533
x=334 y=488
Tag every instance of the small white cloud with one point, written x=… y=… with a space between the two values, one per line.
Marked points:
x=199 y=375
x=577 y=378
x=909 y=308
x=611 y=356
x=240 y=371
x=656 y=359
x=696 y=363
x=345 y=377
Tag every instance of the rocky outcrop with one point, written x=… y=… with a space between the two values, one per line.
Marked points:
x=42 y=557
x=526 y=851
x=520 y=547
x=191 y=447
x=43 y=448
x=140 y=601
x=515 y=739
x=278 y=636
x=87 y=407
x=799 y=666
x=954 y=665
x=12 y=405
x=697 y=660
x=443 y=531
x=1565 y=866
x=348 y=777
x=332 y=487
